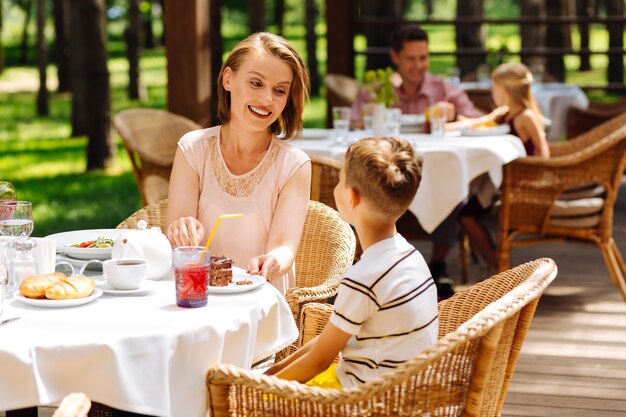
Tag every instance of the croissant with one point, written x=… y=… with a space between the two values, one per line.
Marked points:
x=71 y=287
x=34 y=286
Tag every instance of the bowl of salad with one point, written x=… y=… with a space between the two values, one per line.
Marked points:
x=87 y=244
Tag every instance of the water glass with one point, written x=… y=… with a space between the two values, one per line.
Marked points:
x=454 y=76
x=16 y=218
x=4 y=277
x=341 y=123
x=438 y=117
x=367 y=112
x=191 y=269
x=482 y=75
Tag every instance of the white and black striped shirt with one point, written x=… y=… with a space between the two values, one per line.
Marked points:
x=388 y=302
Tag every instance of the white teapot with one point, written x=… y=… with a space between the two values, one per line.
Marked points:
x=149 y=244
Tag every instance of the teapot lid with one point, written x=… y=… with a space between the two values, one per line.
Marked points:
x=142 y=224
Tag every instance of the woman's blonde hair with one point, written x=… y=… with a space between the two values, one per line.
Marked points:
x=289 y=123
x=517 y=79
x=384 y=171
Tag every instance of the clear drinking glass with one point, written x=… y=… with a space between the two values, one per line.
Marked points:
x=191 y=269
x=16 y=218
x=438 y=118
x=4 y=277
x=341 y=123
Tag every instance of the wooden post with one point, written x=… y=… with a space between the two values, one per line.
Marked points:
x=190 y=70
x=339 y=38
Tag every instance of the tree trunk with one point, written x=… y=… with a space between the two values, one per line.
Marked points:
x=556 y=36
x=1 y=44
x=162 y=4
x=28 y=7
x=42 y=59
x=63 y=51
x=147 y=27
x=584 y=8
x=133 y=37
x=92 y=55
x=77 y=70
x=256 y=15
x=377 y=37
x=217 y=49
x=428 y=4
x=279 y=16
x=311 y=45
x=533 y=35
x=616 y=40
x=470 y=36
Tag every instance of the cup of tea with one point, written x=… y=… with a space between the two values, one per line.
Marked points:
x=191 y=269
x=124 y=273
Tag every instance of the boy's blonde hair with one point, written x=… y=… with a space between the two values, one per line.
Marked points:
x=517 y=80
x=290 y=121
x=384 y=171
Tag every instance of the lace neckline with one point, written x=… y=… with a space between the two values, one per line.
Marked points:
x=240 y=185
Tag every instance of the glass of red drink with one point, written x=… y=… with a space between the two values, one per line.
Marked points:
x=192 y=274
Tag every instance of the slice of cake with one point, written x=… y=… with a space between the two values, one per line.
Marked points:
x=221 y=272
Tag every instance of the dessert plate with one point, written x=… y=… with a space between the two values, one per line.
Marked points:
x=232 y=288
x=45 y=303
x=144 y=288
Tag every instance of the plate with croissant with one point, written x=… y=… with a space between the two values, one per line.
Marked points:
x=57 y=290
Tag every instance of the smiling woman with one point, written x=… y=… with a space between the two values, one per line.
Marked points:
x=246 y=166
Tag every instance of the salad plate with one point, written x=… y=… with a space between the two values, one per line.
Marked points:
x=45 y=303
x=70 y=243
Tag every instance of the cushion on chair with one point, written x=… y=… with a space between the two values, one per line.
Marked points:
x=585 y=191
x=581 y=213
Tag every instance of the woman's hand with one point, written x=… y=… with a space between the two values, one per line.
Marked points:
x=185 y=231
x=265 y=265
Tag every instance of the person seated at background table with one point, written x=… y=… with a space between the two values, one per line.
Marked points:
x=243 y=167
x=511 y=88
x=386 y=306
x=418 y=90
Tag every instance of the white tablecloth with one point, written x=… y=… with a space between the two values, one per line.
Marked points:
x=450 y=164
x=141 y=354
x=554 y=100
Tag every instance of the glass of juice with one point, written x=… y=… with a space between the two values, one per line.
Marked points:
x=192 y=275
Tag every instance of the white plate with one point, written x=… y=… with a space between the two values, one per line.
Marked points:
x=44 y=303
x=412 y=119
x=143 y=289
x=317 y=134
x=64 y=241
x=486 y=131
x=232 y=288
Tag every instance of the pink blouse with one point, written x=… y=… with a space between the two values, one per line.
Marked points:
x=255 y=194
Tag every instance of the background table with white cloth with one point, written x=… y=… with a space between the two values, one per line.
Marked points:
x=450 y=163
x=553 y=98
x=141 y=354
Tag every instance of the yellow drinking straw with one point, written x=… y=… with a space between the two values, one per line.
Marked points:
x=217 y=224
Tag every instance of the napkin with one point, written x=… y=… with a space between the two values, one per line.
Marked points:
x=45 y=254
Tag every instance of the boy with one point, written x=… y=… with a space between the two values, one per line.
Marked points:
x=386 y=306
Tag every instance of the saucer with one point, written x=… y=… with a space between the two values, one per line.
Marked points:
x=144 y=288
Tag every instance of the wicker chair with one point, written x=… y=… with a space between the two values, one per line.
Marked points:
x=324 y=178
x=153 y=213
x=325 y=252
x=467 y=372
x=536 y=207
x=150 y=137
x=580 y=120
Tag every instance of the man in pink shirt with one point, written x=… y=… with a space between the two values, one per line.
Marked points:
x=416 y=89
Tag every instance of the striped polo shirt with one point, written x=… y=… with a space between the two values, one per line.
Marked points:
x=388 y=302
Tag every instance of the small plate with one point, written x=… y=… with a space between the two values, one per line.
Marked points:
x=486 y=131
x=45 y=303
x=317 y=134
x=65 y=240
x=143 y=289
x=232 y=288
x=412 y=120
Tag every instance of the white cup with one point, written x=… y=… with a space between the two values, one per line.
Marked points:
x=124 y=273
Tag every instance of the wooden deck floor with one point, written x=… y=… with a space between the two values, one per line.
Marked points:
x=573 y=362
